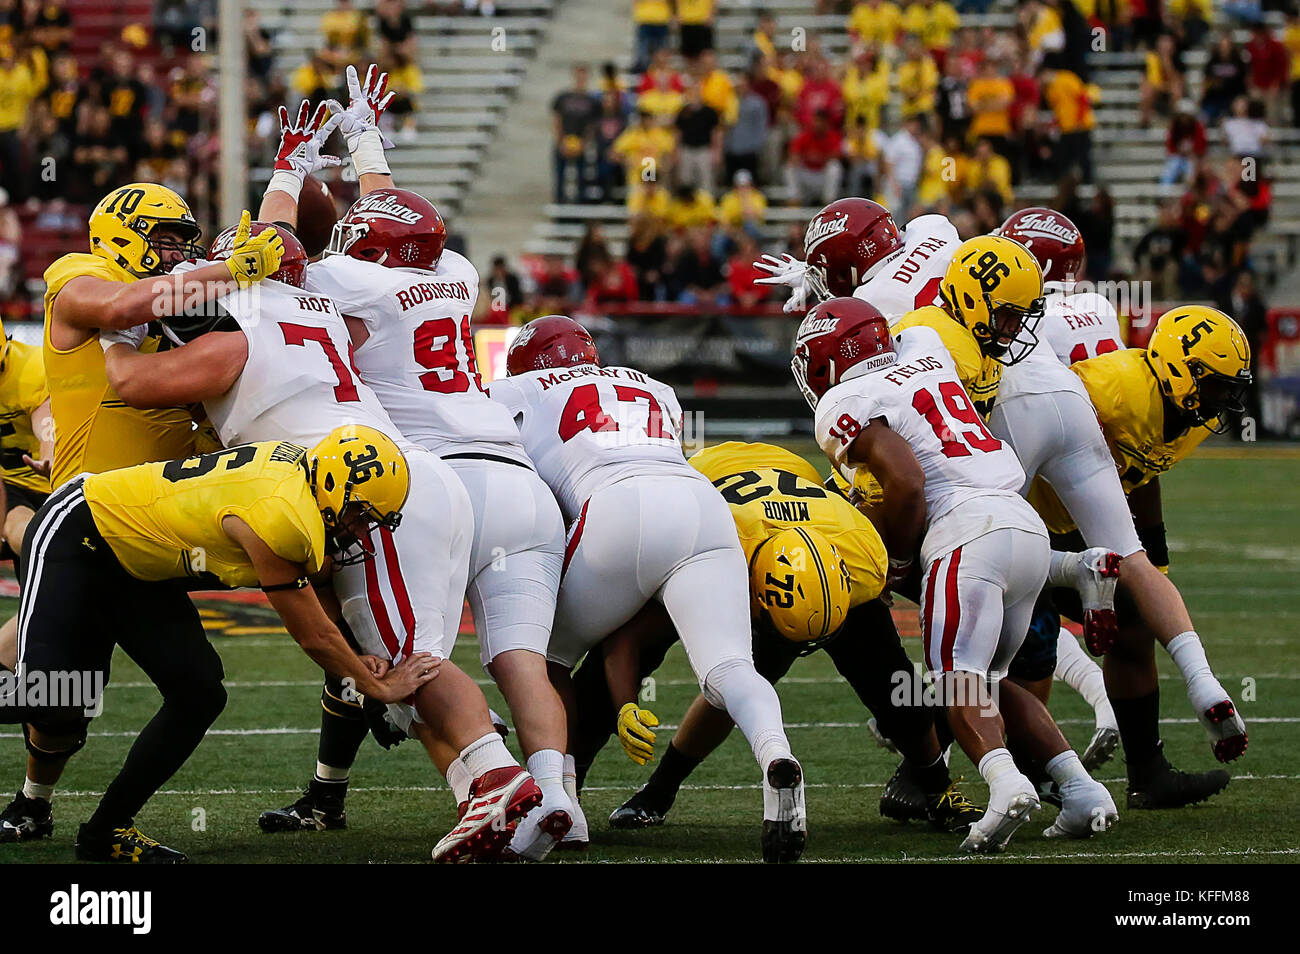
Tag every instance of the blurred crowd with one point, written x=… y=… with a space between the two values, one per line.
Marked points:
x=924 y=112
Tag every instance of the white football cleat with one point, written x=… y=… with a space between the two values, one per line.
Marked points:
x=1010 y=806
x=1095 y=575
x=543 y=827
x=1086 y=810
x=1226 y=728
x=1101 y=749
x=577 y=838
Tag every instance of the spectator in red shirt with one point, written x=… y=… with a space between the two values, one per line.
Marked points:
x=660 y=68
x=1184 y=143
x=1269 y=68
x=612 y=281
x=741 y=274
x=813 y=170
x=820 y=94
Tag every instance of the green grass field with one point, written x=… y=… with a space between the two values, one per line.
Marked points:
x=1235 y=537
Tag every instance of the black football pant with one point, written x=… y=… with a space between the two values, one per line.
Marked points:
x=77 y=603
x=867 y=652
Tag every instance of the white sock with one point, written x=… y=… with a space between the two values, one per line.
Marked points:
x=1066 y=768
x=569 y=776
x=547 y=769
x=37 y=790
x=331 y=773
x=459 y=779
x=486 y=754
x=1075 y=668
x=1062 y=568
x=997 y=764
x=1189 y=656
x=753 y=705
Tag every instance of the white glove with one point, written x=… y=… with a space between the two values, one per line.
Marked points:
x=300 y=153
x=359 y=123
x=786 y=270
x=133 y=337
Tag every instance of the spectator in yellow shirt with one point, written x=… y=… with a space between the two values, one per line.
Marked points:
x=875 y=21
x=690 y=207
x=645 y=151
x=407 y=83
x=744 y=206
x=316 y=79
x=864 y=153
x=1195 y=17
x=934 y=21
x=716 y=88
x=661 y=101
x=1291 y=40
x=695 y=19
x=651 y=18
x=763 y=42
x=23 y=77
x=943 y=173
x=649 y=199
x=989 y=171
x=918 y=78
x=990 y=96
x=786 y=76
x=866 y=88
x=1071 y=101
x=346 y=33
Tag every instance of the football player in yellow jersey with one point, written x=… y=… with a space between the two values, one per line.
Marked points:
x=26 y=445
x=127 y=544
x=817 y=568
x=1155 y=406
x=137 y=232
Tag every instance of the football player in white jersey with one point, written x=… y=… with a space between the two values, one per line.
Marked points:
x=645 y=525
x=407 y=301
x=951 y=491
x=853 y=247
x=1045 y=413
x=272 y=362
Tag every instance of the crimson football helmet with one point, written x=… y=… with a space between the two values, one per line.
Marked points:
x=1051 y=238
x=836 y=336
x=552 y=341
x=843 y=242
x=393 y=227
x=293 y=265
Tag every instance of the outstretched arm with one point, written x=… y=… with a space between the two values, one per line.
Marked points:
x=359 y=124
x=202 y=369
x=312 y=630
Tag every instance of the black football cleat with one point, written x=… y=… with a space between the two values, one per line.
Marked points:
x=785 y=822
x=26 y=819
x=902 y=800
x=1159 y=785
x=125 y=846
x=951 y=811
x=642 y=810
x=313 y=812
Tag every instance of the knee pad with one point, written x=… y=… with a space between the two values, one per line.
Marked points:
x=64 y=752
x=715 y=680
x=1036 y=658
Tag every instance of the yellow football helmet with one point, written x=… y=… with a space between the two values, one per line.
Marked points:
x=1201 y=360
x=360 y=479
x=994 y=286
x=798 y=577
x=121 y=227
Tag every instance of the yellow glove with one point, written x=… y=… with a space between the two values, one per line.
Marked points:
x=634 y=731
x=253 y=257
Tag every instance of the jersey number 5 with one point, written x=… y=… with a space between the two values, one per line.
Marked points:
x=959 y=407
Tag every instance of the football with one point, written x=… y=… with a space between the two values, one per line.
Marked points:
x=317 y=214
